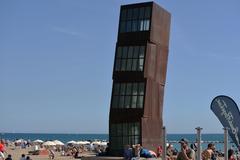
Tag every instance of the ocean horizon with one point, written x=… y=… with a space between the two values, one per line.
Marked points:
x=102 y=136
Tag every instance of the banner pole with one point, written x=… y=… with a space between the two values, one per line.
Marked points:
x=225 y=143
x=164 y=143
x=198 y=143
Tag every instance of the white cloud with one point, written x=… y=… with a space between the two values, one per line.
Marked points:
x=66 y=31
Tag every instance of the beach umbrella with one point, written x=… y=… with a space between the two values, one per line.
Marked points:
x=82 y=142
x=19 y=141
x=72 y=142
x=58 y=143
x=103 y=143
x=86 y=142
x=49 y=143
x=96 y=143
x=38 y=141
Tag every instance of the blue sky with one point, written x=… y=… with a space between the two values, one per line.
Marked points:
x=56 y=60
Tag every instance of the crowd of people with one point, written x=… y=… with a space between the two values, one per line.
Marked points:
x=186 y=152
x=9 y=156
x=68 y=150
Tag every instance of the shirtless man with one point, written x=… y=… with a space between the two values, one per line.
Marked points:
x=186 y=152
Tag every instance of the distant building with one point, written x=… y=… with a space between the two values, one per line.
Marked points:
x=139 y=76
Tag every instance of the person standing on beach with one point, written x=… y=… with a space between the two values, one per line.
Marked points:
x=231 y=154
x=2 y=150
x=208 y=154
x=186 y=152
x=51 y=154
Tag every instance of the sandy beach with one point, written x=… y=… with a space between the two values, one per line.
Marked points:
x=17 y=152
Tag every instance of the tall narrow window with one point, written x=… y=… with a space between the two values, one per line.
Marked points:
x=130 y=58
x=128 y=95
x=124 y=134
x=137 y=19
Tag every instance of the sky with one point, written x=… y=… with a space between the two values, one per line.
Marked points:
x=56 y=63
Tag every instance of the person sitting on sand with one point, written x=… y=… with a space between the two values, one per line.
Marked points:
x=159 y=151
x=143 y=152
x=9 y=157
x=186 y=152
x=28 y=158
x=23 y=157
x=128 y=152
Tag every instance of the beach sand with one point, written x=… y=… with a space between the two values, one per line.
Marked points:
x=17 y=152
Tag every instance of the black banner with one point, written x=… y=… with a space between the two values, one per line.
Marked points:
x=228 y=114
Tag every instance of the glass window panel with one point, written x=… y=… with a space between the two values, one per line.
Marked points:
x=134 y=65
x=140 y=66
x=137 y=129
x=130 y=140
x=130 y=52
x=119 y=129
x=135 y=89
x=136 y=51
x=141 y=51
x=141 y=25
x=113 y=130
x=146 y=25
x=123 y=26
x=129 y=14
x=136 y=139
x=129 y=89
x=129 y=26
x=123 y=87
x=123 y=64
x=141 y=13
x=132 y=129
x=114 y=142
x=125 y=140
x=127 y=101
x=115 y=101
x=141 y=89
x=119 y=52
x=118 y=65
x=116 y=88
x=121 y=102
x=124 y=52
x=123 y=14
x=134 y=25
x=125 y=129
x=147 y=12
x=135 y=13
x=129 y=64
x=119 y=142
x=140 y=102
x=129 y=128
x=134 y=101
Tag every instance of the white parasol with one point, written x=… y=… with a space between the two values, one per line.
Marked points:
x=72 y=142
x=38 y=141
x=49 y=143
x=58 y=143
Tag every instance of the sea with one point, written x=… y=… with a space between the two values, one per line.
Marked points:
x=217 y=139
